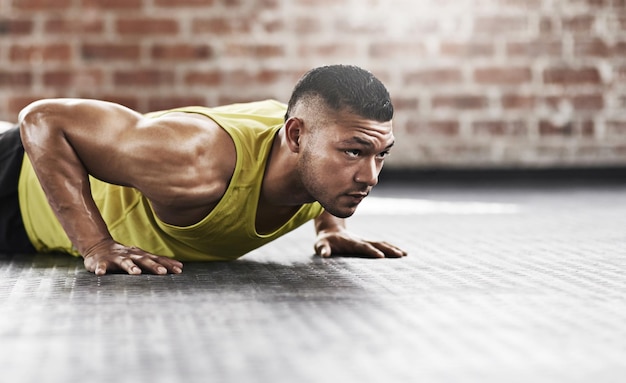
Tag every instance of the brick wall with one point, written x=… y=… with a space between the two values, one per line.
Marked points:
x=476 y=83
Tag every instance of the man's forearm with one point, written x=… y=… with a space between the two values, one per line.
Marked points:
x=328 y=222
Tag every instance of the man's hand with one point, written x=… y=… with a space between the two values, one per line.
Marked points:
x=108 y=256
x=340 y=241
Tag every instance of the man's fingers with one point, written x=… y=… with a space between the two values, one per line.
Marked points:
x=101 y=268
x=128 y=266
x=371 y=250
x=322 y=248
x=389 y=250
x=159 y=265
x=172 y=266
x=131 y=260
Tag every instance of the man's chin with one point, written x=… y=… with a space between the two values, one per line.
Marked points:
x=341 y=213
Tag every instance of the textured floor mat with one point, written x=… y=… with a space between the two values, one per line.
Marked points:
x=500 y=285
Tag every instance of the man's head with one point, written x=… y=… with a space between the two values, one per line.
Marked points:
x=344 y=88
x=338 y=123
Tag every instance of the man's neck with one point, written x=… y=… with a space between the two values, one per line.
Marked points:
x=281 y=183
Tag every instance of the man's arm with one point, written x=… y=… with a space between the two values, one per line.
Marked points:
x=66 y=140
x=333 y=238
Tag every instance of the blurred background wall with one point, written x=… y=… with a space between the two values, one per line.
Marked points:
x=476 y=83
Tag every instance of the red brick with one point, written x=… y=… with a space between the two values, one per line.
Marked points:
x=595 y=48
x=406 y=104
x=433 y=76
x=616 y=127
x=15 y=27
x=583 y=127
x=255 y=50
x=468 y=154
x=588 y=102
x=459 y=101
x=500 y=128
x=518 y=101
x=259 y=4
x=547 y=128
x=523 y=4
x=546 y=26
x=221 y=25
x=432 y=127
x=73 y=78
x=578 y=24
x=572 y=76
x=588 y=128
x=498 y=75
x=578 y=101
x=327 y=49
x=390 y=50
x=143 y=77
x=15 y=79
x=619 y=49
x=345 y=27
x=41 y=5
x=110 y=51
x=467 y=49
x=180 y=52
x=147 y=26
x=268 y=76
x=203 y=78
x=500 y=25
x=620 y=20
x=112 y=4
x=321 y=3
x=58 y=79
x=184 y=3
x=535 y=49
x=243 y=77
x=89 y=25
x=307 y=25
x=272 y=26
x=44 y=53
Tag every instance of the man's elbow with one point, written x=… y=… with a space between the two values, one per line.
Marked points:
x=36 y=122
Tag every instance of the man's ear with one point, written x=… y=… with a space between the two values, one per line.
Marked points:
x=293 y=130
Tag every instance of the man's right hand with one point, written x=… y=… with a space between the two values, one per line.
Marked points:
x=109 y=256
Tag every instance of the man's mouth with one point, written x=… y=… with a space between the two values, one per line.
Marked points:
x=357 y=197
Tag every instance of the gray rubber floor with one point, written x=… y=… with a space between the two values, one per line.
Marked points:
x=503 y=284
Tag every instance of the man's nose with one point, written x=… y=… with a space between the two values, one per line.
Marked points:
x=368 y=173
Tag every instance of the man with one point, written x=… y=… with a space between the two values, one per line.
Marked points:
x=135 y=193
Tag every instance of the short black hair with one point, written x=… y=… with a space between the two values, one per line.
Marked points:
x=345 y=87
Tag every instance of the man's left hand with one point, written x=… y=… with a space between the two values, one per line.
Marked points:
x=344 y=243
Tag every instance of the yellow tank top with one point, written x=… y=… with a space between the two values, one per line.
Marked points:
x=228 y=232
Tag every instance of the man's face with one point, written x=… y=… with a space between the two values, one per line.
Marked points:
x=340 y=161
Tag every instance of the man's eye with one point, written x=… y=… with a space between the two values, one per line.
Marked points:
x=383 y=154
x=353 y=153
